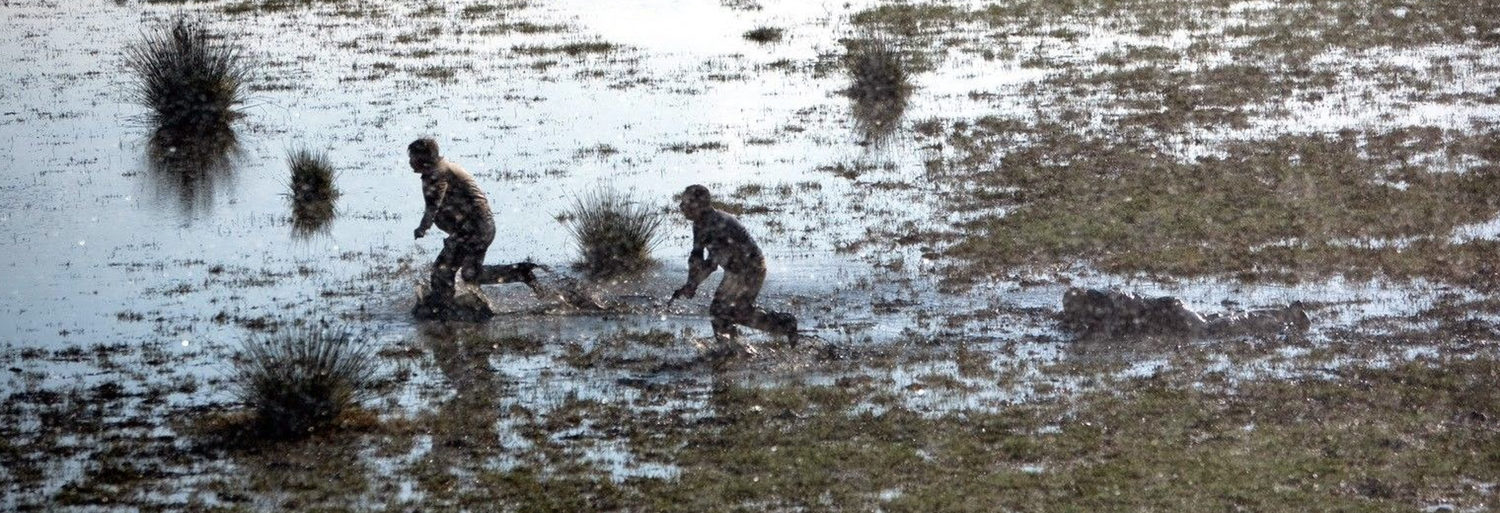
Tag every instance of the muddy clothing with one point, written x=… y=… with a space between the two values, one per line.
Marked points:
x=734 y=303
x=1113 y=313
x=454 y=201
x=729 y=245
x=458 y=207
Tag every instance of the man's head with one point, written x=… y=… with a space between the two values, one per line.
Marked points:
x=695 y=201
x=423 y=155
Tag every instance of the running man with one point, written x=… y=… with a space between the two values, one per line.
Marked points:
x=728 y=245
x=456 y=205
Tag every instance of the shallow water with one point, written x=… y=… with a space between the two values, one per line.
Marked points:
x=101 y=251
x=98 y=250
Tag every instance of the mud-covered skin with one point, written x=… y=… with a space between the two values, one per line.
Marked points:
x=1091 y=312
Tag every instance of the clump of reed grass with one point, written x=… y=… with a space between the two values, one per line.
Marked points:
x=879 y=84
x=312 y=190
x=299 y=381
x=191 y=80
x=312 y=176
x=615 y=234
x=877 y=71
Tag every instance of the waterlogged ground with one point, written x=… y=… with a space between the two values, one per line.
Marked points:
x=1235 y=154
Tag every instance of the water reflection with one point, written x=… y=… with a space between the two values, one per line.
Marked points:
x=465 y=427
x=876 y=120
x=310 y=218
x=192 y=165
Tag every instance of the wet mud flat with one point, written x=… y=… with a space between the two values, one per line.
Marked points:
x=1038 y=147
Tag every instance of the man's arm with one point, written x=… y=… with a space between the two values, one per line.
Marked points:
x=433 y=191
x=699 y=266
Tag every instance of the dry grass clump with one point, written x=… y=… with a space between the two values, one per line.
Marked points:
x=312 y=176
x=614 y=233
x=298 y=381
x=879 y=84
x=189 y=78
x=877 y=71
x=312 y=190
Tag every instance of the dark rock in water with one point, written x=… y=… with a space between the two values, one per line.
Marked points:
x=1090 y=312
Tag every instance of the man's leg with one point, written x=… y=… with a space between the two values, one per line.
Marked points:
x=474 y=270
x=447 y=264
x=506 y=273
x=725 y=308
x=735 y=303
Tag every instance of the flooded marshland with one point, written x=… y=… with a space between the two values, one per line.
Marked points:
x=1235 y=155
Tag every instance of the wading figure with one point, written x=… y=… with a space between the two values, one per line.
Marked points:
x=458 y=207
x=728 y=245
x=1090 y=312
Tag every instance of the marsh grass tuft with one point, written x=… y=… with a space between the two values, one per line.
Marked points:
x=189 y=78
x=877 y=70
x=312 y=176
x=298 y=381
x=880 y=83
x=614 y=233
x=313 y=191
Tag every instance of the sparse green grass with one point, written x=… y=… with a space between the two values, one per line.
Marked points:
x=688 y=147
x=257 y=6
x=909 y=19
x=1374 y=440
x=520 y=27
x=1274 y=209
x=480 y=10
x=614 y=232
x=1398 y=438
x=435 y=72
x=431 y=10
x=1386 y=443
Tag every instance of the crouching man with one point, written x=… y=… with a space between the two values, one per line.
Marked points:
x=728 y=245
x=459 y=208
